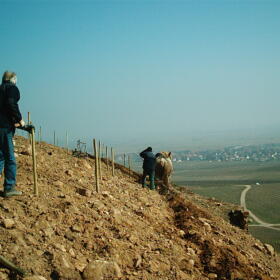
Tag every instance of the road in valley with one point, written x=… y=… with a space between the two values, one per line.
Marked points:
x=260 y=222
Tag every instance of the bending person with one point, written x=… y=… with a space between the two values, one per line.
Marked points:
x=148 y=167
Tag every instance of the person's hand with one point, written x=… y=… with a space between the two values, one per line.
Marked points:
x=20 y=124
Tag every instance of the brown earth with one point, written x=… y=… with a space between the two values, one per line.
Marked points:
x=122 y=232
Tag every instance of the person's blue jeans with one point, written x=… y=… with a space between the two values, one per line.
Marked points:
x=151 y=174
x=7 y=158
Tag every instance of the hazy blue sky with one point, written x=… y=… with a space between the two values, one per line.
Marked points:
x=135 y=71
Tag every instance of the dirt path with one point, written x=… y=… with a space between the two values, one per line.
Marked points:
x=258 y=220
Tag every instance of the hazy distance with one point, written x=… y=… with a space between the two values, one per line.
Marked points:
x=171 y=74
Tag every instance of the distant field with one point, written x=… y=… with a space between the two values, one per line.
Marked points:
x=219 y=172
x=224 y=180
x=264 y=201
x=267 y=236
x=226 y=193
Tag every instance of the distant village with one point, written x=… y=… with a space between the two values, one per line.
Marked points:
x=256 y=153
x=264 y=152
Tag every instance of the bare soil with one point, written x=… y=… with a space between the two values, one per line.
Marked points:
x=123 y=232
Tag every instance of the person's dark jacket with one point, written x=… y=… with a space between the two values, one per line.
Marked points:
x=9 y=110
x=149 y=163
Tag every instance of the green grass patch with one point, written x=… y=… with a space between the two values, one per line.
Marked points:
x=243 y=171
x=267 y=236
x=264 y=202
x=223 y=193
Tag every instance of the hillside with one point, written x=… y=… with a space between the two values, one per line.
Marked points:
x=123 y=232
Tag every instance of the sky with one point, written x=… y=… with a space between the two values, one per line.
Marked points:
x=138 y=73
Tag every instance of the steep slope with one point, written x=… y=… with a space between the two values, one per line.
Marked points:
x=123 y=232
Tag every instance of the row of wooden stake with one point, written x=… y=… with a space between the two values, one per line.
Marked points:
x=98 y=154
x=98 y=160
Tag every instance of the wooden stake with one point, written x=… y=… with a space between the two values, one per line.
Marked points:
x=40 y=134
x=124 y=160
x=35 y=187
x=29 y=122
x=54 y=138
x=67 y=142
x=113 y=162
x=100 y=149
x=102 y=155
x=107 y=158
x=96 y=165
x=129 y=164
x=100 y=159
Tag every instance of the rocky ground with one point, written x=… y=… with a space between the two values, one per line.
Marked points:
x=123 y=232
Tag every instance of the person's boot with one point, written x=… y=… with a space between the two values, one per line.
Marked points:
x=152 y=182
x=12 y=192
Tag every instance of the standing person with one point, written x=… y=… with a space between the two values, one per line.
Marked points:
x=148 y=167
x=10 y=118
